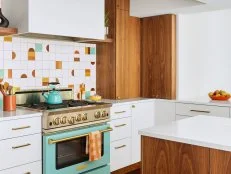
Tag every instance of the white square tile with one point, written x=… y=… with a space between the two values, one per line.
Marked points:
x=24 y=64
x=31 y=65
x=7 y=55
x=24 y=47
x=7 y=46
x=16 y=46
x=17 y=82
x=16 y=74
x=52 y=73
x=39 y=73
x=38 y=81
x=24 y=55
x=38 y=65
x=39 y=56
x=65 y=65
x=58 y=73
x=47 y=65
x=46 y=73
x=16 y=64
x=7 y=64
x=31 y=82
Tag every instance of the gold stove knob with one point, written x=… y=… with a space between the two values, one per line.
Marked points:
x=104 y=113
x=71 y=120
x=84 y=118
x=78 y=118
x=63 y=120
x=97 y=114
x=56 y=121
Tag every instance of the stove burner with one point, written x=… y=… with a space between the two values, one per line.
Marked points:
x=65 y=104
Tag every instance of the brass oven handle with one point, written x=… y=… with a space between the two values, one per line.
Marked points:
x=120 y=147
x=17 y=147
x=20 y=128
x=120 y=112
x=121 y=125
x=51 y=141
x=200 y=111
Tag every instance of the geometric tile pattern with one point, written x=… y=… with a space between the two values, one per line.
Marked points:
x=32 y=63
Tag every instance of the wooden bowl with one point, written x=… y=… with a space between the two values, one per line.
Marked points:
x=221 y=98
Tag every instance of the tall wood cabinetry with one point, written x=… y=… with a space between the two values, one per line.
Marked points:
x=158 y=57
x=118 y=63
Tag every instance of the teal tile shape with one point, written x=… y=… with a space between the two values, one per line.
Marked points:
x=1 y=73
x=87 y=94
x=93 y=50
x=38 y=47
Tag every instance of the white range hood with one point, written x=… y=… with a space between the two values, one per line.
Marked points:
x=56 y=19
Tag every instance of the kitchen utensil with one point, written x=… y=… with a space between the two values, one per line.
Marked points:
x=10 y=90
x=2 y=90
x=9 y=102
x=6 y=85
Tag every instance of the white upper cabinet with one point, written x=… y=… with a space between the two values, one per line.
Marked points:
x=72 y=18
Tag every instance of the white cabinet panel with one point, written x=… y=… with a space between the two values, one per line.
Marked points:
x=164 y=111
x=180 y=117
x=194 y=110
x=20 y=127
x=142 y=117
x=121 y=111
x=19 y=151
x=122 y=128
x=120 y=154
x=32 y=168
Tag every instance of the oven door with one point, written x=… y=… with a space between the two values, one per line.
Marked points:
x=66 y=152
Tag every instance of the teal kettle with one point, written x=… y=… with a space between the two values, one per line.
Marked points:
x=53 y=97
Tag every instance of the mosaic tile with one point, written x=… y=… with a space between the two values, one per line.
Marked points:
x=58 y=64
x=10 y=73
x=38 y=47
x=87 y=50
x=92 y=63
x=23 y=76
x=33 y=73
x=71 y=86
x=93 y=50
x=13 y=55
x=31 y=54
x=7 y=39
x=77 y=59
x=2 y=73
x=48 y=48
x=87 y=72
x=45 y=81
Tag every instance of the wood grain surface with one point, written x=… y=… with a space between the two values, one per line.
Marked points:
x=158 y=57
x=166 y=157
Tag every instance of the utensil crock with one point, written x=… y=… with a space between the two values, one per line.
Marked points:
x=9 y=103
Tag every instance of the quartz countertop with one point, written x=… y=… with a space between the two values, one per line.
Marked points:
x=206 y=131
x=205 y=101
x=133 y=100
x=18 y=114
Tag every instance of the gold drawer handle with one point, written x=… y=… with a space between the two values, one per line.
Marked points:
x=27 y=173
x=20 y=128
x=200 y=111
x=120 y=112
x=120 y=147
x=121 y=125
x=17 y=147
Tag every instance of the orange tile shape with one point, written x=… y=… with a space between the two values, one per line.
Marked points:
x=76 y=59
x=59 y=64
x=31 y=54
x=87 y=72
x=13 y=55
x=93 y=63
x=9 y=73
x=45 y=81
x=92 y=89
x=23 y=76
x=87 y=50
x=33 y=73
x=48 y=48
x=76 y=52
x=71 y=86
x=73 y=72
x=7 y=39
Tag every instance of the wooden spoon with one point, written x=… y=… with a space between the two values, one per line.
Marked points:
x=2 y=90
x=6 y=85
x=10 y=90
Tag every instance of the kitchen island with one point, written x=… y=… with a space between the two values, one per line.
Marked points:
x=197 y=145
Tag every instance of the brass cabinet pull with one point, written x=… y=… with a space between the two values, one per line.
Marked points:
x=20 y=128
x=120 y=112
x=27 y=173
x=120 y=147
x=51 y=141
x=17 y=147
x=200 y=111
x=121 y=125
x=133 y=106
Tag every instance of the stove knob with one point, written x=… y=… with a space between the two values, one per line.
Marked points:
x=71 y=120
x=64 y=120
x=97 y=114
x=78 y=118
x=56 y=121
x=104 y=113
x=84 y=118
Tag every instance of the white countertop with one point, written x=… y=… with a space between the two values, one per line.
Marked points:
x=18 y=114
x=124 y=101
x=206 y=101
x=205 y=131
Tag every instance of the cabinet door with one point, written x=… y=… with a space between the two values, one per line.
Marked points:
x=123 y=4
x=142 y=117
x=127 y=55
x=158 y=58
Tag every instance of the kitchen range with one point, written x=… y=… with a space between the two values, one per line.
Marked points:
x=66 y=129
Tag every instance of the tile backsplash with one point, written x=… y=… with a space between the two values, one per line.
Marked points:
x=33 y=63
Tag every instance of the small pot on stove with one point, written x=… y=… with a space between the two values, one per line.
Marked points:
x=53 y=97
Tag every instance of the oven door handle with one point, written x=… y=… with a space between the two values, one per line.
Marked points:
x=51 y=141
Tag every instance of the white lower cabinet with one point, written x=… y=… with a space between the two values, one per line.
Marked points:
x=32 y=168
x=120 y=154
x=181 y=117
x=142 y=117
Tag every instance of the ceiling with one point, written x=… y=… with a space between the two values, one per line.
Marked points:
x=144 y=8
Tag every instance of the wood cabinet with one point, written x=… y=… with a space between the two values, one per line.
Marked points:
x=158 y=57
x=82 y=18
x=167 y=157
x=118 y=63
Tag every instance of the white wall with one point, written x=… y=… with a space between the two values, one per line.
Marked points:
x=204 y=53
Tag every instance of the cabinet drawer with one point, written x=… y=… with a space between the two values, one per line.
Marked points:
x=21 y=127
x=120 y=111
x=121 y=128
x=120 y=154
x=180 y=117
x=32 y=168
x=194 y=110
x=19 y=151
